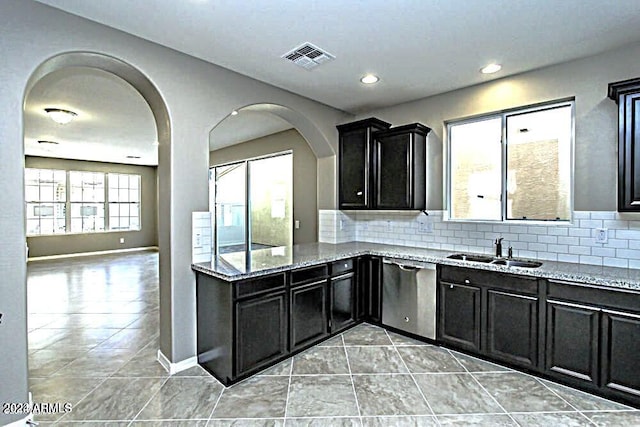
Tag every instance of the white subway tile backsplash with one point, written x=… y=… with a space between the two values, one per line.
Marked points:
x=564 y=242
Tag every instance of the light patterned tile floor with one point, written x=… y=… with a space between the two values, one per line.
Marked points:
x=93 y=337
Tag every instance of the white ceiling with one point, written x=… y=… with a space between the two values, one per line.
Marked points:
x=113 y=120
x=417 y=47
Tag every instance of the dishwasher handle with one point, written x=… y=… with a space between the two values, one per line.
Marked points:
x=408 y=267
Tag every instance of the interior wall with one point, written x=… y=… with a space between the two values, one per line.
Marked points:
x=305 y=176
x=596 y=117
x=197 y=95
x=105 y=241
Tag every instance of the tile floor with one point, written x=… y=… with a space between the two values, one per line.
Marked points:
x=93 y=337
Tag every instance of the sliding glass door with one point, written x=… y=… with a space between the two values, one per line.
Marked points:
x=253 y=203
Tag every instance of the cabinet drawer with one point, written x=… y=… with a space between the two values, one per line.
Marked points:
x=493 y=280
x=310 y=274
x=339 y=267
x=623 y=299
x=259 y=285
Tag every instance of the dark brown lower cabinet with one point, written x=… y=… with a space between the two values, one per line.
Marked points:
x=512 y=327
x=261 y=335
x=309 y=313
x=369 y=278
x=621 y=352
x=343 y=302
x=459 y=315
x=572 y=340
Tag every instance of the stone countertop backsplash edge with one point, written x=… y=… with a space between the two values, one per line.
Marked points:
x=309 y=254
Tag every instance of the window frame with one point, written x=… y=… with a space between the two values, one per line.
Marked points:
x=503 y=114
x=68 y=203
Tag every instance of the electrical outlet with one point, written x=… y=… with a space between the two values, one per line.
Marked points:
x=602 y=235
x=297 y=224
x=425 y=227
x=122 y=240
x=342 y=224
x=389 y=225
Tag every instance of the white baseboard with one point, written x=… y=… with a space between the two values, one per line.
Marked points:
x=81 y=254
x=22 y=422
x=174 y=368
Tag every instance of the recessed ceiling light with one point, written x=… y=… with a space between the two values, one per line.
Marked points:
x=234 y=113
x=43 y=141
x=59 y=115
x=491 y=68
x=155 y=143
x=369 y=79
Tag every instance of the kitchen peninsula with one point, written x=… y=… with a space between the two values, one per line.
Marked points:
x=573 y=323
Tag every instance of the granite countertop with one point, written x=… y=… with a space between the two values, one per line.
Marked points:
x=234 y=266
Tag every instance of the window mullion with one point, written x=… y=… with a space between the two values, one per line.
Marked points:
x=505 y=146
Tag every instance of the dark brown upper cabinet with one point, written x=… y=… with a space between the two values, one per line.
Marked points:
x=627 y=95
x=401 y=174
x=356 y=163
x=382 y=167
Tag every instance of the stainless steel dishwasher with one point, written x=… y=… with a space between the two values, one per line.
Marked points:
x=409 y=296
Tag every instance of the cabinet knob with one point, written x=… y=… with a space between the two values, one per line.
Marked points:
x=450 y=286
x=358 y=193
x=467 y=281
x=346 y=265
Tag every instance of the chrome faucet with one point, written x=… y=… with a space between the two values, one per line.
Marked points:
x=498 y=244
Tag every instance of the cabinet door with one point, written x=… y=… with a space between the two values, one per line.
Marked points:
x=621 y=352
x=309 y=320
x=572 y=340
x=393 y=189
x=369 y=299
x=343 y=307
x=512 y=327
x=629 y=153
x=459 y=315
x=354 y=169
x=261 y=334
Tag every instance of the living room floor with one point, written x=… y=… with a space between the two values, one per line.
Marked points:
x=93 y=340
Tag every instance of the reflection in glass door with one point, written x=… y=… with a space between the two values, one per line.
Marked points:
x=230 y=207
x=253 y=203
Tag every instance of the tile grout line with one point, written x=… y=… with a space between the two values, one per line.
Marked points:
x=393 y=344
x=286 y=405
x=483 y=387
x=564 y=400
x=217 y=401
x=150 y=399
x=353 y=385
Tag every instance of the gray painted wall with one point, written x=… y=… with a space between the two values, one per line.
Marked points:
x=305 y=206
x=596 y=121
x=78 y=243
x=30 y=34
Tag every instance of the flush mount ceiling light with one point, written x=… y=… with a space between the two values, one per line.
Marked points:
x=369 y=79
x=43 y=141
x=234 y=113
x=491 y=68
x=59 y=115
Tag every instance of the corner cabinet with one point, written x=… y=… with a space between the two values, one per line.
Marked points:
x=382 y=167
x=356 y=162
x=401 y=175
x=627 y=95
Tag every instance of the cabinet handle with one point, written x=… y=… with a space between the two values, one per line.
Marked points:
x=467 y=281
x=358 y=193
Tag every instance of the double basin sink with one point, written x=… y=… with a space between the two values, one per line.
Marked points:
x=508 y=262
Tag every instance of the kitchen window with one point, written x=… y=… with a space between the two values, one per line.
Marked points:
x=514 y=165
x=65 y=202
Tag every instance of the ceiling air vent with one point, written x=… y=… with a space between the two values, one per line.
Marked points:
x=308 y=56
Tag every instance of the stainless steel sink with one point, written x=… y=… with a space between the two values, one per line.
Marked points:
x=471 y=257
x=508 y=262
x=517 y=263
